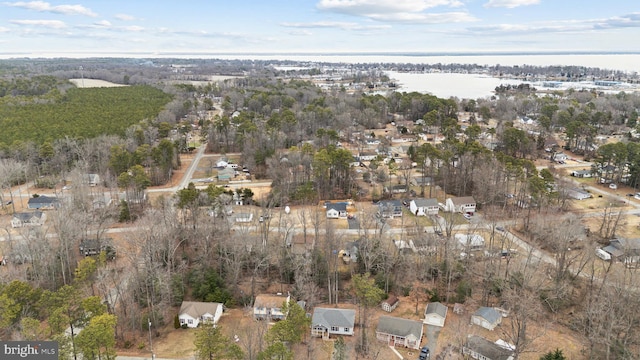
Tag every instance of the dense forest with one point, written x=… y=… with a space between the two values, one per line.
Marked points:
x=290 y=131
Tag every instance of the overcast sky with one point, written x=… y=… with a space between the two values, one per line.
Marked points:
x=118 y=27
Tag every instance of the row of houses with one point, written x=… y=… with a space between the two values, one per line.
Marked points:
x=328 y=322
x=420 y=207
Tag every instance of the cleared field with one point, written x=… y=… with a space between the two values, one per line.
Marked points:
x=93 y=83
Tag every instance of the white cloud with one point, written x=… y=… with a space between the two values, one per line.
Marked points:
x=133 y=28
x=102 y=23
x=510 y=4
x=568 y=26
x=53 y=24
x=125 y=17
x=3 y=29
x=42 y=6
x=407 y=11
x=335 y=24
x=301 y=32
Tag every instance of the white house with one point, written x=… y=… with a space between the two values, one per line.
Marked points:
x=244 y=217
x=578 y=194
x=331 y=321
x=35 y=218
x=424 y=207
x=435 y=314
x=470 y=241
x=486 y=317
x=337 y=210
x=269 y=307
x=463 y=205
x=557 y=157
x=192 y=313
x=92 y=179
x=399 y=332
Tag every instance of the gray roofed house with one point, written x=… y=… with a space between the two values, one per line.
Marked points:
x=193 y=312
x=35 y=218
x=328 y=321
x=43 y=202
x=486 y=317
x=480 y=348
x=419 y=180
x=399 y=332
x=435 y=314
x=463 y=204
x=390 y=208
x=625 y=250
x=424 y=207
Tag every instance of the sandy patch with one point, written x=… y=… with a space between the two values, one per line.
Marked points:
x=93 y=83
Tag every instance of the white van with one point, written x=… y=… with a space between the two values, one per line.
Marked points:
x=636 y=196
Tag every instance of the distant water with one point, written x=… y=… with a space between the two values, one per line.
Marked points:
x=624 y=62
x=445 y=85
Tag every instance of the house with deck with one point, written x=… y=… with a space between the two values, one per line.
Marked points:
x=399 y=332
x=192 y=313
x=332 y=321
x=35 y=218
x=269 y=307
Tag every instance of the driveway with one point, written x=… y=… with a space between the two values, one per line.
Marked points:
x=432 y=337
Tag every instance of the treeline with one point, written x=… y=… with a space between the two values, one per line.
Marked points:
x=79 y=113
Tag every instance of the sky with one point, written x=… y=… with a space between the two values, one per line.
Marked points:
x=158 y=27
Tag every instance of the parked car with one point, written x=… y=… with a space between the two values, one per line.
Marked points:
x=500 y=228
x=467 y=216
x=424 y=353
x=613 y=186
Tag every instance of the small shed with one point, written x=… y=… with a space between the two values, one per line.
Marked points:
x=390 y=304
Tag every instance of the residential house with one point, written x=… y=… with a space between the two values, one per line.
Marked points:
x=337 y=210
x=625 y=250
x=398 y=189
x=463 y=205
x=424 y=244
x=269 y=307
x=577 y=194
x=390 y=208
x=92 y=179
x=480 y=348
x=36 y=218
x=244 y=217
x=192 y=313
x=43 y=202
x=470 y=242
x=331 y=321
x=486 y=317
x=134 y=197
x=226 y=174
x=424 y=207
x=367 y=156
x=350 y=252
x=222 y=163
x=557 y=157
x=390 y=304
x=435 y=314
x=96 y=246
x=586 y=173
x=399 y=332
x=422 y=180
x=101 y=201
